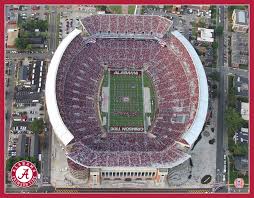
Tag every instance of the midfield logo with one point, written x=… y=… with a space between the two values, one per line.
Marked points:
x=24 y=174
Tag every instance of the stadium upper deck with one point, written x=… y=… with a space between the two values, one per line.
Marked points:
x=127 y=24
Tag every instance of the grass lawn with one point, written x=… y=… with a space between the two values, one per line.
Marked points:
x=105 y=79
x=230 y=82
x=131 y=9
x=116 y=9
x=232 y=174
x=243 y=66
x=126 y=100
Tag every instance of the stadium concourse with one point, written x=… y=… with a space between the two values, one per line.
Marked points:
x=73 y=94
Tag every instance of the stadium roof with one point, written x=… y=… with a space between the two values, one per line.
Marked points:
x=192 y=134
x=55 y=118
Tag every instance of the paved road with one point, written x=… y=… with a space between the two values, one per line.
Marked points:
x=34 y=55
x=137 y=190
x=46 y=152
x=228 y=71
x=8 y=104
x=221 y=101
x=52 y=29
x=51 y=189
x=52 y=45
x=46 y=158
x=34 y=189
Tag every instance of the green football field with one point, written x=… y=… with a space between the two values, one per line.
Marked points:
x=126 y=101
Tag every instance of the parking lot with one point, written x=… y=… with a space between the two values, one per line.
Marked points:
x=67 y=24
x=12 y=152
x=33 y=12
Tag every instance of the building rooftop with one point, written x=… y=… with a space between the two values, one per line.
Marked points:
x=36 y=40
x=23 y=72
x=239 y=45
x=205 y=34
x=12 y=35
x=27 y=97
x=245 y=110
x=241 y=163
x=241 y=17
x=242 y=136
x=34 y=145
x=21 y=145
x=241 y=86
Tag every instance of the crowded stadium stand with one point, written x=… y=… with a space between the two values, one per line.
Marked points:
x=127 y=24
x=73 y=85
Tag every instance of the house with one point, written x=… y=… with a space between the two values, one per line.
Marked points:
x=240 y=49
x=36 y=42
x=23 y=75
x=240 y=20
x=241 y=136
x=241 y=86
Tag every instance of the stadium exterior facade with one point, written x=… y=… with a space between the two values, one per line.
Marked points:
x=72 y=98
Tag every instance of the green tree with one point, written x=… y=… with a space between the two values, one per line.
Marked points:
x=37 y=125
x=168 y=8
x=233 y=120
x=231 y=97
x=42 y=25
x=12 y=160
x=239 y=149
x=215 y=45
x=21 y=43
x=214 y=12
x=215 y=76
x=219 y=30
x=9 y=163
x=30 y=25
x=29 y=47
x=214 y=93
x=201 y=22
x=101 y=8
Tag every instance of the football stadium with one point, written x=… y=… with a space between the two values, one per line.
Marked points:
x=127 y=96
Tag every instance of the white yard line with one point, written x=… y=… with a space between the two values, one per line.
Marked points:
x=109 y=99
x=143 y=100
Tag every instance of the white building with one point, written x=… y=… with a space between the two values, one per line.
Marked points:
x=240 y=20
x=245 y=110
x=205 y=34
